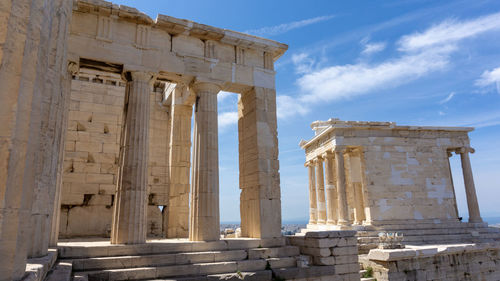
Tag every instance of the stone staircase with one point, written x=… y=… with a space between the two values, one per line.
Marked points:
x=225 y=260
x=430 y=233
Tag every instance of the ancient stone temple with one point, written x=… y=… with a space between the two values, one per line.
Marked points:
x=386 y=180
x=98 y=156
x=103 y=176
x=379 y=173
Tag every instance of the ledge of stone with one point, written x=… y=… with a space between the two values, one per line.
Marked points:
x=37 y=268
x=428 y=251
x=330 y=234
x=181 y=26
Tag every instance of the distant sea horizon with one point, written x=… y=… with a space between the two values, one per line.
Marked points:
x=494 y=220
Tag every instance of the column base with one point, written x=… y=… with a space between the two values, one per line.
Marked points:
x=475 y=220
x=343 y=222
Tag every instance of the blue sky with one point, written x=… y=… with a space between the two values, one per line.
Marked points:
x=415 y=62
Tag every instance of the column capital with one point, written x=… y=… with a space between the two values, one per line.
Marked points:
x=328 y=154
x=465 y=149
x=318 y=159
x=73 y=68
x=202 y=86
x=143 y=76
x=339 y=148
x=309 y=163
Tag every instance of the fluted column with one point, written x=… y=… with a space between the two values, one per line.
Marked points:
x=180 y=162
x=341 y=187
x=313 y=215
x=470 y=189
x=357 y=184
x=24 y=58
x=129 y=219
x=331 y=190
x=320 y=190
x=204 y=219
x=449 y=154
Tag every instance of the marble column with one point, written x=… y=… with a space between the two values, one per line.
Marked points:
x=341 y=187
x=313 y=215
x=24 y=58
x=204 y=219
x=357 y=184
x=129 y=218
x=320 y=191
x=450 y=154
x=470 y=189
x=331 y=190
x=180 y=163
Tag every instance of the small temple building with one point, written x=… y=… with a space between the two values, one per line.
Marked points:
x=379 y=173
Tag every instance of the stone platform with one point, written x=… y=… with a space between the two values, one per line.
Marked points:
x=180 y=259
x=436 y=262
x=298 y=258
x=419 y=233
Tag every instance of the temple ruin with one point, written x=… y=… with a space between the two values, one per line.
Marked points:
x=386 y=180
x=379 y=173
x=102 y=176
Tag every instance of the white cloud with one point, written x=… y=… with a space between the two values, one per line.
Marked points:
x=283 y=28
x=288 y=106
x=303 y=63
x=227 y=119
x=489 y=78
x=448 y=98
x=222 y=95
x=419 y=55
x=350 y=80
x=449 y=32
x=372 y=48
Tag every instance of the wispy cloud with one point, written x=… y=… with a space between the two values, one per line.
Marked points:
x=372 y=48
x=448 y=98
x=344 y=81
x=288 y=106
x=419 y=54
x=222 y=96
x=478 y=120
x=227 y=119
x=285 y=27
x=450 y=32
x=490 y=78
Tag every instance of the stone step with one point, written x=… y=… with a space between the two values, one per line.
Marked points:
x=428 y=225
x=117 y=262
x=263 y=275
x=368 y=279
x=429 y=231
x=61 y=272
x=195 y=269
x=87 y=249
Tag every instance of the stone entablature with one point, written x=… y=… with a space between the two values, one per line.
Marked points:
x=385 y=172
x=171 y=47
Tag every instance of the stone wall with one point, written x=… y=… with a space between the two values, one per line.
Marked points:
x=92 y=155
x=335 y=249
x=445 y=262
